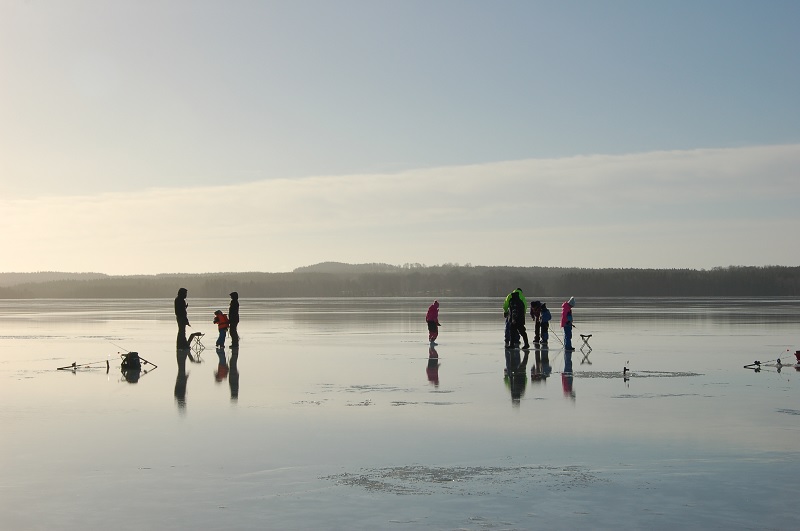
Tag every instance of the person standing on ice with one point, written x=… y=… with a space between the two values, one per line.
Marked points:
x=182 y=317
x=544 y=317
x=511 y=334
x=536 y=314
x=221 y=320
x=233 y=319
x=432 y=318
x=516 y=315
x=566 y=322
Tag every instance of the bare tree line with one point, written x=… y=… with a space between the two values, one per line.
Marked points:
x=380 y=280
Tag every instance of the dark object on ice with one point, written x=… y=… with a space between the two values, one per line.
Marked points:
x=131 y=366
x=586 y=338
x=93 y=365
x=197 y=346
x=131 y=362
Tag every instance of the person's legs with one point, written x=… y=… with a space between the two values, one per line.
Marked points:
x=221 y=338
x=234 y=335
x=524 y=333
x=513 y=334
x=545 y=332
x=568 y=337
x=181 y=341
x=537 y=327
x=433 y=331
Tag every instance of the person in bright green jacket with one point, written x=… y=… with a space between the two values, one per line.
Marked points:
x=511 y=335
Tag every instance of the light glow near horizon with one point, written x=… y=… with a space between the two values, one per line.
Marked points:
x=274 y=135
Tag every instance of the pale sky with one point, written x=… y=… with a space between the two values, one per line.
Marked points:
x=158 y=136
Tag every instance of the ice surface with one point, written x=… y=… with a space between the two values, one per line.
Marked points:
x=337 y=414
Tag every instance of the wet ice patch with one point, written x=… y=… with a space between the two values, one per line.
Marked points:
x=426 y=403
x=664 y=395
x=637 y=374
x=309 y=402
x=467 y=481
x=363 y=403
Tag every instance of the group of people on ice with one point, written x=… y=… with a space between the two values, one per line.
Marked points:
x=224 y=322
x=515 y=308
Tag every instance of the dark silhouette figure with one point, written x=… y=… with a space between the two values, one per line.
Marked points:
x=536 y=315
x=181 y=380
x=181 y=315
x=432 y=370
x=511 y=335
x=233 y=374
x=233 y=319
x=516 y=309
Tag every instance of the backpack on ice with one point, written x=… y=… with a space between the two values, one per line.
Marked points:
x=131 y=362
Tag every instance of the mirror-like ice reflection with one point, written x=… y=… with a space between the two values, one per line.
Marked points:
x=339 y=414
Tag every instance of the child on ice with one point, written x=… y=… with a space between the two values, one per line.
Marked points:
x=221 y=320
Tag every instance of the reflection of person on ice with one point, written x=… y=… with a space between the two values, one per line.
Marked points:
x=432 y=318
x=566 y=322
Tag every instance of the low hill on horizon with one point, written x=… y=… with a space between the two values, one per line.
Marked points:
x=341 y=267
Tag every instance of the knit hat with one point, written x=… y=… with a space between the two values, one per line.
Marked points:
x=571 y=301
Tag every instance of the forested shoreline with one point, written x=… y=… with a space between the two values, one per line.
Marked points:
x=381 y=280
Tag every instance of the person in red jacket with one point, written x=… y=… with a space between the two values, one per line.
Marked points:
x=432 y=318
x=221 y=321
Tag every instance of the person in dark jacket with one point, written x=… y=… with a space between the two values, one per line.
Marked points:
x=536 y=315
x=233 y=319
x=516 y=309
x=182 y=317
x=511 y=335
x=544 y=317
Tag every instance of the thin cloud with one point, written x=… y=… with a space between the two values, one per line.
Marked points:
x=674 y=208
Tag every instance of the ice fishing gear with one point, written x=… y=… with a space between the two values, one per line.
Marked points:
x=131 y=366
x=756 y=365
x=133 y=361
x=91 y=365
x=197 y=346
x=585 y=338
x=559 y=339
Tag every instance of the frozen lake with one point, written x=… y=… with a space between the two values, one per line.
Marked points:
x=334 y=416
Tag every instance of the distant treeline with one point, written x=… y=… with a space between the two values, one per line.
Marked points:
x=380 y=280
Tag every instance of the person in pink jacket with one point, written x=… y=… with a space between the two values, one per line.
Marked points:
x=432 y=318
x=566 y=322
